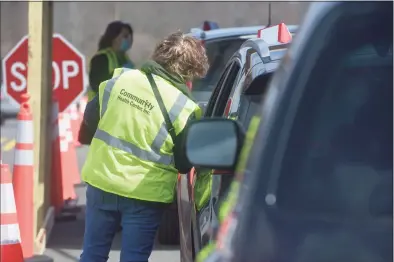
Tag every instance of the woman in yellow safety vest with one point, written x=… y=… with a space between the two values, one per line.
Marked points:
x=135 y=155
x=112 y=53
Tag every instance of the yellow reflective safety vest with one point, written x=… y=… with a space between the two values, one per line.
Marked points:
x=113 y=63
x=131 y=152
x=202 y=188
x=231 y=198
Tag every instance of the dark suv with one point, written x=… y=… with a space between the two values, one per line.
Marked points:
x=318 y=182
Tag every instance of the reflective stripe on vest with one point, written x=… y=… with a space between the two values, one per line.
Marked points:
x=155 y=155
x=113 y=60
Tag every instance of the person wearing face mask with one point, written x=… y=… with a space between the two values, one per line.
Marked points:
x=112 y=53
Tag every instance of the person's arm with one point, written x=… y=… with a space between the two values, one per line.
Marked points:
x=182 y=164
x=91 y=118
x=91 y=115
x=99 y=71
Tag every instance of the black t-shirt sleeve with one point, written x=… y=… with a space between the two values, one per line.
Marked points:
x=90 y=121
x=92 y=114
x=99 y=71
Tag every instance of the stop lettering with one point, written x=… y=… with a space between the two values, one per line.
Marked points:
x=68 y=77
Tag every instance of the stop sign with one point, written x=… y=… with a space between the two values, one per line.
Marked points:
x=68 y=72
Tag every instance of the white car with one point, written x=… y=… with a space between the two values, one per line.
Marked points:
x=221 y=44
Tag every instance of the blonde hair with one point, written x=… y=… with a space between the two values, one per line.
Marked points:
x=182 y=55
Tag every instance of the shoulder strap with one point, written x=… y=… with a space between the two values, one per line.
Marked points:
x=163 y=109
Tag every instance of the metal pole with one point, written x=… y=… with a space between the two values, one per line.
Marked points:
x=116 y=13
x=269 y=14
x=39 y=82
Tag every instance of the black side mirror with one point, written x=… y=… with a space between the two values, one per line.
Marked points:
x=203 y=106
x=214 y=143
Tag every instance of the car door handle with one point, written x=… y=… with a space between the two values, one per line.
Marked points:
x=222 y=172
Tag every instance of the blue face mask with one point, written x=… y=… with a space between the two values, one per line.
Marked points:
x=125 y=45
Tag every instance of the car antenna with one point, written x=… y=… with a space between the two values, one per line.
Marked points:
x=269 y=14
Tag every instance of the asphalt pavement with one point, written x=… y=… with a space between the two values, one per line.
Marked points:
x=66 y=238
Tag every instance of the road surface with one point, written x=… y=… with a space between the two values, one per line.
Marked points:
x=65 y=242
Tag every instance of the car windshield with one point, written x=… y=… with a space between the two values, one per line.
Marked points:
x=218 y=52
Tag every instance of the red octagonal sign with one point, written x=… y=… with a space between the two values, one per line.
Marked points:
x=68 y=72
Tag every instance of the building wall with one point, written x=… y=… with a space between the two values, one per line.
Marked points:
x=82 y=23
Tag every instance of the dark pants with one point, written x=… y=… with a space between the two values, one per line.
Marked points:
x=105 y=212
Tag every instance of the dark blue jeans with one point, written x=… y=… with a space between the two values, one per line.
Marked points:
x=105 y=212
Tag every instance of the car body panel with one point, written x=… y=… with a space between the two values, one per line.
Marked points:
x=253 y=58
x=292 y=235
x=233 y=31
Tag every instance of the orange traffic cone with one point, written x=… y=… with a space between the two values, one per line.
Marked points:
x=75 y=123
x=284 y=35
x=72 y=158
x=11 y=249
x=65 y=163
x=69 y=164
x=23 y=176
x=63 y=192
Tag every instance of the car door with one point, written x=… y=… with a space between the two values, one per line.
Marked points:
x=202 y=183
x=189 y=232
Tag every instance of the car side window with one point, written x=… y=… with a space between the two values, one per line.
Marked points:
x=339 y=156
x=252 y=96
x=213 y=99
x=222 y=102
x=219 y=53
x=239 y=103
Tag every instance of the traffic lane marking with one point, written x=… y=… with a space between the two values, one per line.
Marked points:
x=8 y=145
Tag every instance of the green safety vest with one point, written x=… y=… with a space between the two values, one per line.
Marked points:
x=202 y=188
x=113 y=63
x=131 y=152
x=231 y=198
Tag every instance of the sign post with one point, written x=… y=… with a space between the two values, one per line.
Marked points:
x=38 y=78
x=68 y=72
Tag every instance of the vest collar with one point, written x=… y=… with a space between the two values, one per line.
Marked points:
x=177 y=81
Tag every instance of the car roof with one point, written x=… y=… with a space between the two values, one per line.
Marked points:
x=264 y=49
x=267 y=52
x=231 y=32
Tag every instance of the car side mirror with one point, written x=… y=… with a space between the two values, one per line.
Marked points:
x=203 y=106
x=214 y=143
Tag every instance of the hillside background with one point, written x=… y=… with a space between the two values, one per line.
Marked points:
x=82 y=23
